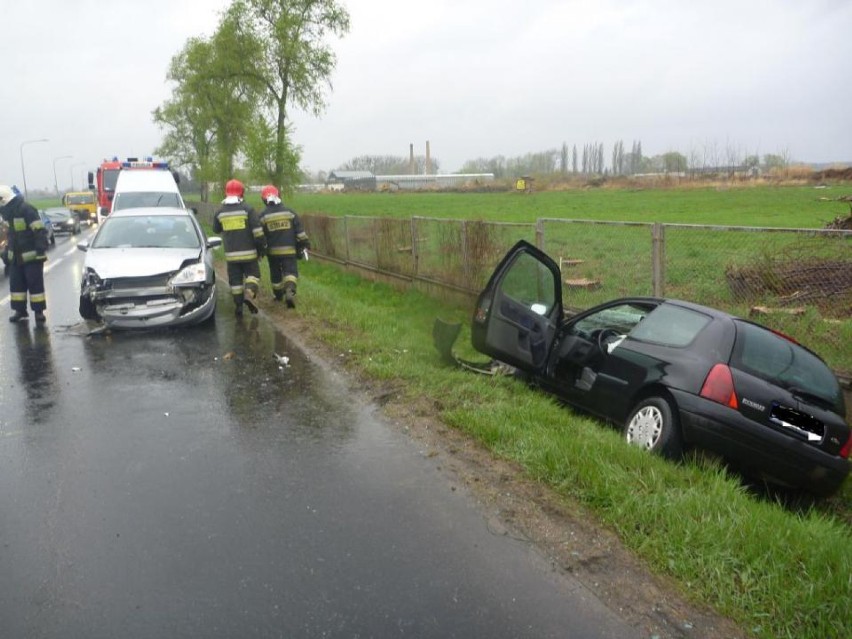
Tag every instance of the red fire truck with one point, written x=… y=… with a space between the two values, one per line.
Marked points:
x=103 y=181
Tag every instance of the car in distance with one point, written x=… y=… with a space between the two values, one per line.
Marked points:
x=149 y=267
x=48 y=225
x=63 y=220
x=673 y=374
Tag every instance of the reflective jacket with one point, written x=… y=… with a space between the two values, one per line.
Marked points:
x=27 y=240
x=283 y=230
x=242 y=234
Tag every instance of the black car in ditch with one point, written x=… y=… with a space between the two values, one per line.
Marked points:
x=672 y=373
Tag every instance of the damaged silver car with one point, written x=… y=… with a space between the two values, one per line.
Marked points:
x=149 y=267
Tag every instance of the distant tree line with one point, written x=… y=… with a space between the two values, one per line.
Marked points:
x=590 y=160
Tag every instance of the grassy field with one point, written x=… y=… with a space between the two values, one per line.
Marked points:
x=776 y=206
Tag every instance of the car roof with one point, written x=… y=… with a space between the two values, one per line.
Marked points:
x=149 y=211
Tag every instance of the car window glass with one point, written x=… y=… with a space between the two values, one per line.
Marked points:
x=620 y=318
x=139 y=199
x=163 y=231
x=769 y=356
x=530 y=283
x=670 y=325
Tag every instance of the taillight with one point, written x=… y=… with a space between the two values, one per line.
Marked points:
x=847 y=447
x=719 y=386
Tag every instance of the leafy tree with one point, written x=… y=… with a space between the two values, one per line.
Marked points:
x=205 y=118
x=276 y=50
x=673 y=162
x=774 y=161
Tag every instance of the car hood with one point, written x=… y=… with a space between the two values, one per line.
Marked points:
x=138 y=262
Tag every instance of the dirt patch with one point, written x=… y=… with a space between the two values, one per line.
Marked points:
x=567 y=535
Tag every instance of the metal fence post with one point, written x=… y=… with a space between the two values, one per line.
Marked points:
x=658 y=259
x=415 y=254
x=346 y=235
x=539 y=234
x=465 y=262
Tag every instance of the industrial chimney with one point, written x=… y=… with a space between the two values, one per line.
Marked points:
x=428 y=159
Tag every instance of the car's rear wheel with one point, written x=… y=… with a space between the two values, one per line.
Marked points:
x=653 y=425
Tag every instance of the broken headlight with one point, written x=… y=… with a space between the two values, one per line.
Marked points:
x=190 y=275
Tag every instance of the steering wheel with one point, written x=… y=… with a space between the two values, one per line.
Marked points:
x=605 y=334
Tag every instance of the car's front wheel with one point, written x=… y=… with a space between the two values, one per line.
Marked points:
x=87 y=309
x=654 y=426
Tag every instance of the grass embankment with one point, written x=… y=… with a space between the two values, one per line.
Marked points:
x=776 y=573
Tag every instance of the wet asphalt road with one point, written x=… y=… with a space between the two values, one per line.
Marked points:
x=184 y=484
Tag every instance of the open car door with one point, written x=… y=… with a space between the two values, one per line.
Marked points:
x=519 y=312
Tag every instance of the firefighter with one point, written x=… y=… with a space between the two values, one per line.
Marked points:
x=24 y=254
x=286 y=242
x=244 y=243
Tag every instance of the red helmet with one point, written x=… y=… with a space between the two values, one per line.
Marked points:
x=234 y=188
x=267 y=192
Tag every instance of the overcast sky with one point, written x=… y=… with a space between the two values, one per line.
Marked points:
x=476 y=78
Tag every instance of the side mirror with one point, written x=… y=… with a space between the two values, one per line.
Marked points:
x=213 y=242
x=83 y=246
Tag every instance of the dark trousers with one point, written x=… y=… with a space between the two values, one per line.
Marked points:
x=27 y=278
x=242 y=276
x=283 y=270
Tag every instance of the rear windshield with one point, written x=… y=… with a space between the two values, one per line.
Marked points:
x=140 y=199
x=764 y=354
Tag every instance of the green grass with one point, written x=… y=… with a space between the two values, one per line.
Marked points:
x=776 y=206
x=777 y=573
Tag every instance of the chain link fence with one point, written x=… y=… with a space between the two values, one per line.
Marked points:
x=797 y=281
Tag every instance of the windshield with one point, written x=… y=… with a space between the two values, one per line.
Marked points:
x=148 y=231
x=110 y=178
x=57 y=215
x=82 y=198
x=140 y=199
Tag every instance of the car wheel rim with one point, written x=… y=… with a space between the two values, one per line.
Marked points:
x=645 y=428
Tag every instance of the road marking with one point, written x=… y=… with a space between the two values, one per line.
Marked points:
x=47 y=267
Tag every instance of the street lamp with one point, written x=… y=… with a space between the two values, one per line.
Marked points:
x=23 y=172
x=55 y=184
x=71 y=171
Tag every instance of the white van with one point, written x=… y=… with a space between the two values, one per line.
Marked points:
x=146 y=188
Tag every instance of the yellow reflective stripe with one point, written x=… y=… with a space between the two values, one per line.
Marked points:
x=257 y=232
x=251 y=279
x=277 y=286
x=28 y=256
x=241 y=256
x=36 y=225
x=37 y=297
x=291 y=278
x=301 y=236
x=18 y=297
x=19 y=224
x=236 y=290
x=282 y=250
